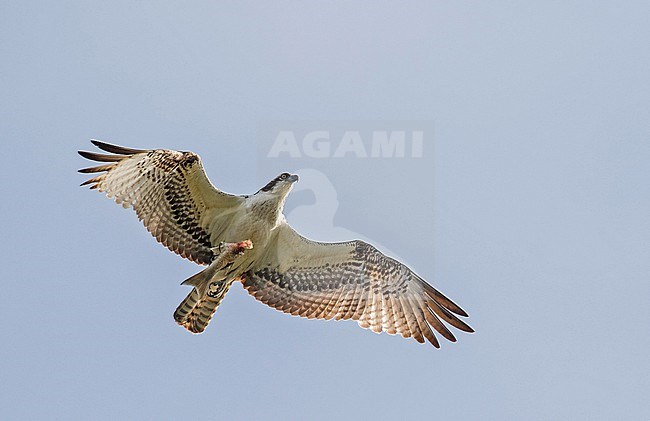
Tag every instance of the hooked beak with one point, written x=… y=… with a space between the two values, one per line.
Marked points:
x=293 y=178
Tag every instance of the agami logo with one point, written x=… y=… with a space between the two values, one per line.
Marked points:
x=320 y=144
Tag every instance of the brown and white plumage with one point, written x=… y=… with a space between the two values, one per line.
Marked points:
x=351 y=280
x=210 y=287
x=169 y=192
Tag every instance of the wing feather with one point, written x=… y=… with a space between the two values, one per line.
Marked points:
x=351 y=280
x=169 y=192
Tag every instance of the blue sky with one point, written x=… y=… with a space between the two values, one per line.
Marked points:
x=529 y=205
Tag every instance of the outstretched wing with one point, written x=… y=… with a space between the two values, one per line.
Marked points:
x=350 y=280
x=170 y=193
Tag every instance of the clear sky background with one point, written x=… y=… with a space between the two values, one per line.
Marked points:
x=529 y=206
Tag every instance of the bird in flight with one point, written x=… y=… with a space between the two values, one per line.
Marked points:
x=246 y=238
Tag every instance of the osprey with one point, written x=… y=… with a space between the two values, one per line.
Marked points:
x=246 y=238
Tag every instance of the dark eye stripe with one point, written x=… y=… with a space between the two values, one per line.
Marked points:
x=273 y=182
x=269 y=186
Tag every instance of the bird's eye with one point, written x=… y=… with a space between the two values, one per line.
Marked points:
x=283 y=176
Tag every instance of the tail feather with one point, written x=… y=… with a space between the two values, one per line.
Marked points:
x=186 y=307
x=196 y=310
x=210 y=286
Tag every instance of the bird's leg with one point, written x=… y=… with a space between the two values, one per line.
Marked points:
x=227 y=253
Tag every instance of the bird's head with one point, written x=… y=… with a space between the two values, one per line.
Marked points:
x=280 y=186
